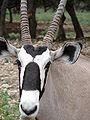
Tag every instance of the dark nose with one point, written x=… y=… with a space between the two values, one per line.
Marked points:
x=29 y=111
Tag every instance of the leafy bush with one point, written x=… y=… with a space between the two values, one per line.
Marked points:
x=7 y=111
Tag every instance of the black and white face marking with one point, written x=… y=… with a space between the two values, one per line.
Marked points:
x=33 y=64
x=33 y=67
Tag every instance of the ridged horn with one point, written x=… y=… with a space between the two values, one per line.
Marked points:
x=25 y=33
x=48 y=39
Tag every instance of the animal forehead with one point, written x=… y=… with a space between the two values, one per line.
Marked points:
x=33 y=51
x=28 y=53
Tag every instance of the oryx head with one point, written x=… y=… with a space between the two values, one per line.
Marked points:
x=34 y=61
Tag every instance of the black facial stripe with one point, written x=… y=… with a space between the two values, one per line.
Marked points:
x=3 y=47
x=47 y=69
x=31 y=79
x=34 y=51
x=19 y=68
x=20 y=92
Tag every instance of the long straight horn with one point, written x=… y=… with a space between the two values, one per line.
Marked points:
x=25 y=33
x=48 y=39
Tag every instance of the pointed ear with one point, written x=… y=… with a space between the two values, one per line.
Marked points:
x=69 y=53
x=7 y=49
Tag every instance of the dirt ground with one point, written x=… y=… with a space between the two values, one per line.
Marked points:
x=9 y=71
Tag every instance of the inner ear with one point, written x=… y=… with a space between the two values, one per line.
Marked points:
x=69 y=51
x=7 y=49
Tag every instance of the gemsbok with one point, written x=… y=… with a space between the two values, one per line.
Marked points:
x=67 y=95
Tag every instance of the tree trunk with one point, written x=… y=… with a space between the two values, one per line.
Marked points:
x=32 y=5
x=10 y=12
x=71 y=11
x=32 y=25
x=2 y=17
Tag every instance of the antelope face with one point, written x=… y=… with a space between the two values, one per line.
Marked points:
x=33 y=64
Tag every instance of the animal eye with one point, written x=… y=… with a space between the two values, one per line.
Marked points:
x=18 y=63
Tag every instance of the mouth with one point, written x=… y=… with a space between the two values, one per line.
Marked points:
x=29 y=112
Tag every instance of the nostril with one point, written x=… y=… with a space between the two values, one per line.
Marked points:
x=29 y=111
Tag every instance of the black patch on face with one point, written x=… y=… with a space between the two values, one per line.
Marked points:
x=47 y=69
x=69 y=51
x=3 y=47
x=31 y=79
x=19 y=68
x=33 y=51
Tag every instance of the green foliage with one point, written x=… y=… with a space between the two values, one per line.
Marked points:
x=7 y=111
x=84 y=17
x=16 y=17
x=70 y=34
x=14 y=36
x=44 y=16
x=44 y=31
